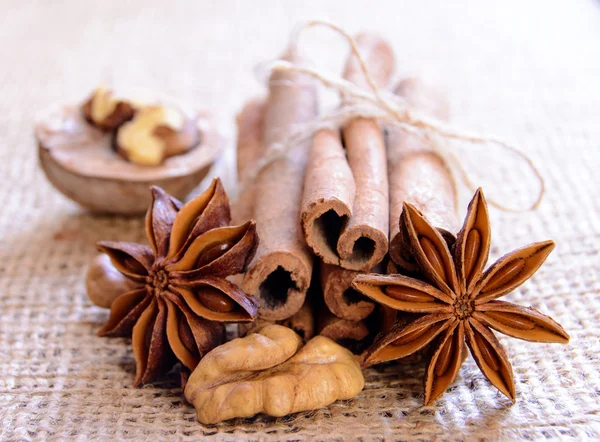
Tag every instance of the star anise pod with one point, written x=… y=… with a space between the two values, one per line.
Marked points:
x=456 y=301
x=184 y=298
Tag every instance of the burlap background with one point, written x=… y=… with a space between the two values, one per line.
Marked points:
x=527 y=70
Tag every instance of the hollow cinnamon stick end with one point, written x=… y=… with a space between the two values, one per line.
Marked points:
x=280 y=280
x=322 y=221
x=329 y=192
x=341 y=299
x=361 y=248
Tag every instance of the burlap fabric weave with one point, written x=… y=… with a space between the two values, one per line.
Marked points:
x=529 y=71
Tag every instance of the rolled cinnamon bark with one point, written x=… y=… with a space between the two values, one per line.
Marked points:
x=250 y=125
x=349 y=334
x=329 y=192
x=417 y=174
x=341 y=299
x=250 y=129
x=303 y=322
x=281 y=270
x=345 y=205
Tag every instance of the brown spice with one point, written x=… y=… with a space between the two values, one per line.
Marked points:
x=303 y=322
x=345 y=204
x=417 y=174
x=250 y=130
x=349 y=334
x=183 y=299
x=456 y=303
x=341 y=299
x=104 y=283
x=281 y=271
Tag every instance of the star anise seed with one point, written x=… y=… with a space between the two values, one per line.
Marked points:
x=456 y=303
x=183 y=300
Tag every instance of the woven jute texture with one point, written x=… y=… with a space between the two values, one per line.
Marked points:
x=529 y=71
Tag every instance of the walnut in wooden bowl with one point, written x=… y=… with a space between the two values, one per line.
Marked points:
x=106 y=153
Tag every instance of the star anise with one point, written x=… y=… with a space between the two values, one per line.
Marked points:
x=456 y=301
x=184 y=298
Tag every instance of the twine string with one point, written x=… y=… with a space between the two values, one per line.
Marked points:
x=387 y=108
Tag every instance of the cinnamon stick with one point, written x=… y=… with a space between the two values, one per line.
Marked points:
x=250 y=129
x=329 y=191
x=341 y=299
x=417 y=174
x=303 y=322
x=345 y=205
x=280 y=272
x=349 y=334
x=250 y=125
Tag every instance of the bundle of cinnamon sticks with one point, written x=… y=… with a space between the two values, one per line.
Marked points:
x=329 y=208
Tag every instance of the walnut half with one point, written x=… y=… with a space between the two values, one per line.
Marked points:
x=105 y=111
x=155 y=133
x=269 y=371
